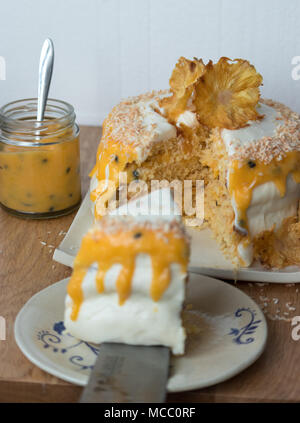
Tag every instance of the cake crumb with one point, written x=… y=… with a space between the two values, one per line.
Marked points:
x=290 y=307
x=278 y=318
x=263 y=298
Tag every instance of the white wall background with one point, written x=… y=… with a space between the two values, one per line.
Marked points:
x=109 y=49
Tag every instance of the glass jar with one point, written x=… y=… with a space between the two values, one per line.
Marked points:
x=39 y=161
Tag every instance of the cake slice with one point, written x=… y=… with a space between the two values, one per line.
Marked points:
x=129 y=278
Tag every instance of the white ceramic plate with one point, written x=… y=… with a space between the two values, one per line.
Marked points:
x=206 y=257
x=229 y=334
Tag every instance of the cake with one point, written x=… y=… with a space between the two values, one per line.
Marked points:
x=211 y=126
x=129 y=278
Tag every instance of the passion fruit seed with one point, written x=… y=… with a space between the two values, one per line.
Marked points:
x=251 y=164
x=136 y=174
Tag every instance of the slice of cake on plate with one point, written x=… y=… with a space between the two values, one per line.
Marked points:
x=129 y=277
x=212 y=126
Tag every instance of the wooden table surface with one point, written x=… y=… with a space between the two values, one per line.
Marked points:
x=26 y=267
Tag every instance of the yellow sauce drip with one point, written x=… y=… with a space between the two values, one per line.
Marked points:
x=40 y=179
x=245 y=176
x=112 y=158
x=122 y=247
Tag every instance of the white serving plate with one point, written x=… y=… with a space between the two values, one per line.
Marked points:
x=206 y=257
x=231 y=334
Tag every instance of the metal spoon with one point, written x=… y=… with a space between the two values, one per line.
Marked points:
x=45 y=74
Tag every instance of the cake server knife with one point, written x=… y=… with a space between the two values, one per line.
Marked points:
x=128 y=373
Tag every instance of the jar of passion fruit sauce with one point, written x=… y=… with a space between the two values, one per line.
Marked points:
x=39 y=161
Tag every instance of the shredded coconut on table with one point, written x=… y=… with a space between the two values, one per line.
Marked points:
x=290 y=307
x=279 y=318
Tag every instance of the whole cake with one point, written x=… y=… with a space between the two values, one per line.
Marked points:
x=213 y=126
x=129 y=278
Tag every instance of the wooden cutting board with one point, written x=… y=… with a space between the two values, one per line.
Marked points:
x=26 y=267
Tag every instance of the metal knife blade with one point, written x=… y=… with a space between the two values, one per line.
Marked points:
x=128 y=373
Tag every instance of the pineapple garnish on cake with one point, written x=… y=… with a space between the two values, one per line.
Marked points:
x=184 y=76
x=213 y=126
x=129 y=279
x=227 y=94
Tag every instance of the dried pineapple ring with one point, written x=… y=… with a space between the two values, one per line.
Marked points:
x=185 y=74
x=183 y=78
x=227 y=94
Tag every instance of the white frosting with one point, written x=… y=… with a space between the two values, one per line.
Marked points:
x=140 y=320
x=246 y=253
x=187 y=118
x=162 y=129
x=159 y=203
x=236 y=138
x=155 y=123
x=267 y=209
x=93 y=183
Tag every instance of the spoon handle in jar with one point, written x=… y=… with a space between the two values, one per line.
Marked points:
x=45 y=74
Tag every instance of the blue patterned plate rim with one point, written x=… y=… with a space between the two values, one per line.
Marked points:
x=245 y=342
